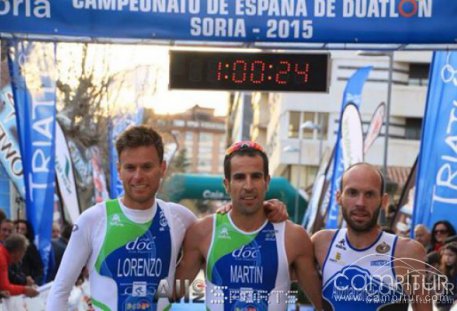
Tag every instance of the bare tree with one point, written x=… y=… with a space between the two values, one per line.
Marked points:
x=89 y=92
x=82 y=116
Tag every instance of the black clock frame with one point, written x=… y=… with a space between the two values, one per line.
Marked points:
x=240 y=71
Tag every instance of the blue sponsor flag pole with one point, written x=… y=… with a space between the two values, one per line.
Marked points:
x=352 y=94
x=436 y=181
x=31 y=66
x=117 y=125
x=114 y=180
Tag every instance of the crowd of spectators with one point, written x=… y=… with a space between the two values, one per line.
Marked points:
x=13 y=248
x=441 y=246
x=21 y=268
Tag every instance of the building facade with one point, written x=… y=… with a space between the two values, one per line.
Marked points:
x=298 y=129
x=197 y=131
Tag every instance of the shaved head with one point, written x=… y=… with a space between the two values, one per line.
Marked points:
x=369 y=167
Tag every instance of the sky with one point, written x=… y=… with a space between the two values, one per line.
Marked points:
x=144 y=67
x=178 y=101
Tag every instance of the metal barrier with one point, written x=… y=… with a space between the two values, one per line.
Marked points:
x=77 y=300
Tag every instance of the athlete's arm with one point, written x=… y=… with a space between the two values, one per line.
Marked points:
x=195 y=242
x=410 y=265
x=321 y=242
x=301 y=255
x=75 y=257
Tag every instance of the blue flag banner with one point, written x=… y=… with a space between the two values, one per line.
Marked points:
x=352 y=94
x=10 y=154
x=436 y=182
x=4 y=192
x=300 y=21
x=32 y=68
x=117 y=125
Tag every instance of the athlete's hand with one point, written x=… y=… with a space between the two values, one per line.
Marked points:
x=31 y=292
x=224 y=209
x=29 y=281
x=275 y=210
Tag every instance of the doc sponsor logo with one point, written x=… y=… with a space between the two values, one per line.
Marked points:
x=141 y=244
x=247 y=252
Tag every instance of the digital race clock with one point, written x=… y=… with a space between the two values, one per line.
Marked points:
x=248 y=71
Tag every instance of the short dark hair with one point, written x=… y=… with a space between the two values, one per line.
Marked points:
x=433 y=258
x=30 y=235
x=381 y=175
x=2 y=215
x=245 y=149
x=139 y=136
x=16 y=242
x=66 y=231
x=5 y=221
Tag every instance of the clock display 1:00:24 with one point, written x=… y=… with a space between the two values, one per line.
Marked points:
x=257 y=72
x=247 y=71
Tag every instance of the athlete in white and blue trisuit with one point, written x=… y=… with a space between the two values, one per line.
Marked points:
x=364 y=268
x=248 y=260
x=129 y=245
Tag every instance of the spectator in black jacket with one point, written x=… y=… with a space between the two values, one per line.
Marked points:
x=58 y=248
x=31 y=263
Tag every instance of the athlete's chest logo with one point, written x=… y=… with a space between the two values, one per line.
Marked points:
x=247 y=252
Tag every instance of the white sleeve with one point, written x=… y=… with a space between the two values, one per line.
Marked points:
x=185 y=216
x=76 y=256
x=182 y=219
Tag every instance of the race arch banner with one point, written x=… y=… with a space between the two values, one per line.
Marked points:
x=282 y=21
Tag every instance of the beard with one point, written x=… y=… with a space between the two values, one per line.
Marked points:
x=249 y=210
x=362 y=227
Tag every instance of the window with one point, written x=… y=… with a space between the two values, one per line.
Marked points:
x=205 y=150
x=413 y=128
x=206 y=138
x=179 y=123
x=309 y=118
x=311 y=123
x=294 y=123
x=418 y=74
x=189 y=137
